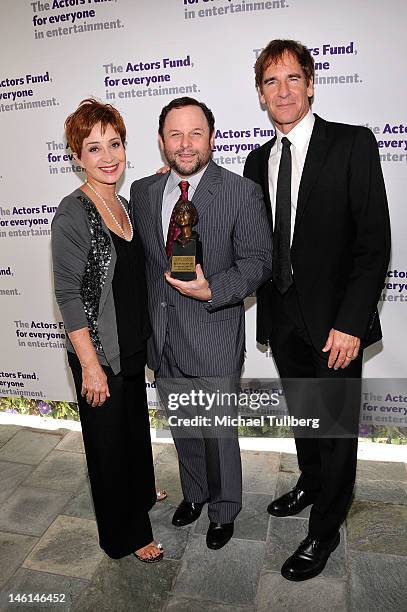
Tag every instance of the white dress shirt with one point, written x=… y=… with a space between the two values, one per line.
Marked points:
x=172 y=194
x=299 y=137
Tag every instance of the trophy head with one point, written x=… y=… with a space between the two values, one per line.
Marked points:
x=185 y=214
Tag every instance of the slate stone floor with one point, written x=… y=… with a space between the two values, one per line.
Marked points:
x=48 y=539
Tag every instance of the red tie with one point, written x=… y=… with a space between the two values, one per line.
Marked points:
x=173 y=229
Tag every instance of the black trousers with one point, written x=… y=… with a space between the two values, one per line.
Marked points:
x=327 y=464
x=120 y=464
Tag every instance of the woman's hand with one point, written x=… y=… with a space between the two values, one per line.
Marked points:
x=94 y=385
x=94 y=381
x=163 y=170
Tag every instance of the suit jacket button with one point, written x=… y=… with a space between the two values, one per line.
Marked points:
x=163 y=304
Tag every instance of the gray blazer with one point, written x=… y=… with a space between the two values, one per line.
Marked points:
x=84 y=259
x=207 y=339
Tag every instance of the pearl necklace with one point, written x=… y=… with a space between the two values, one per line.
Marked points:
x=112 y=215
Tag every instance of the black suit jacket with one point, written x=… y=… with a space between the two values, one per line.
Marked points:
x=341 y=242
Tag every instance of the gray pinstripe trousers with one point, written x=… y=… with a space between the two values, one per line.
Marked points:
x=208 y=453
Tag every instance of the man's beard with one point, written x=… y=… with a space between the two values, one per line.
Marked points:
x=188 y=170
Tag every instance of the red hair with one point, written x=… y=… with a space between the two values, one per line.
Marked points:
x=79 y=124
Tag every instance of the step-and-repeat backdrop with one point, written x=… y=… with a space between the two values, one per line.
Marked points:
x=138 y=55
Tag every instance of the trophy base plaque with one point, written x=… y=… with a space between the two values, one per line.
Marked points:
x=185 y=256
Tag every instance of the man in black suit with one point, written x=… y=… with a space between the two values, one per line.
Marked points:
x=326 y=201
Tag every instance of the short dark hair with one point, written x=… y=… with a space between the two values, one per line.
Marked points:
x=79 y=124
x=180 y=103
x=275 y=50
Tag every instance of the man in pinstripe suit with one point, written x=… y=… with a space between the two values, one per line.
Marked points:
x=198 y=326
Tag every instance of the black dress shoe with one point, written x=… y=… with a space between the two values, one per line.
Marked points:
x=291 y=503
x=218 y=535
x=309 y=559
x=186 y=513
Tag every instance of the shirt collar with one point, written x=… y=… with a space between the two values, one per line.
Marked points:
x=174 y=179
x=300 y=135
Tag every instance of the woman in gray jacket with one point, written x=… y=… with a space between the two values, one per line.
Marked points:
x=100 y=289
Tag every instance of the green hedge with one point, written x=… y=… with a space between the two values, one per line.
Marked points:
x=69 y=410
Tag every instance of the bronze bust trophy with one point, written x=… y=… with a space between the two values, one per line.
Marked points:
x=187 y=249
